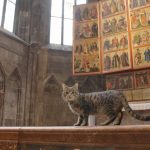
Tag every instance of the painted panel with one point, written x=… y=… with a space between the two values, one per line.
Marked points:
x=112 y=7
x=142 y=78
x=141 y=57
x=119 y=81
x=86 y=45
x=114 y=34
x=86 y=56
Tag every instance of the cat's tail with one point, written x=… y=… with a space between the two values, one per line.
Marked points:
x=132 y=113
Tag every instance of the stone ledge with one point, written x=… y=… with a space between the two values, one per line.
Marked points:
x=13 y=36
x=109 y=136
x=140 y=105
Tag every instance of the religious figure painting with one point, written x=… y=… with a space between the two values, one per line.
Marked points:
x=116 y=61
x=142 y=78
x=86 y=30
x=86 y=56
x=138 y=3
x=115 y=42
x=140 y=18
x=122 y=81
x=111 y=7
x=112 y=82
x=141 y=38
x=105 y=35
x=114 y=24
x=86 y=12
x=141 y=57
x=126 y=81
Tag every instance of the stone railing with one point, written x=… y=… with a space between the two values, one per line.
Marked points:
x=76 y=138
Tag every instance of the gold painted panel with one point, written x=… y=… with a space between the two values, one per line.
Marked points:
x=116 y=61
x=112 y=7
x=86 y=56
x=140 y=18
x=114 y=24
x=141 y=57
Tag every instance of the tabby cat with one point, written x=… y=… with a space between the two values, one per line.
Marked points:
x=108 y=102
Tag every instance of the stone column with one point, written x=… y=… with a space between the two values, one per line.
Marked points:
x=32 y=20
x=37 y=71
x=40 y=21
x=22 y=19
x=41 y=74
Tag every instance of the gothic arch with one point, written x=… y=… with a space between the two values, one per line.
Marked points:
x=51 y=84
x=12 y=99
x=52 y=103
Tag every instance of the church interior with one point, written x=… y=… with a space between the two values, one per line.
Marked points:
x=44 y=43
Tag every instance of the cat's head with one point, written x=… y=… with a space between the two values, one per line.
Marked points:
x=70 y=94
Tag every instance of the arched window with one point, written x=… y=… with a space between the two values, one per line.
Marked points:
x=7 y=11
x=61 y=21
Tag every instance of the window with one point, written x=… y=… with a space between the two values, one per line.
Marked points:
x=7 y=11
x=61 y=21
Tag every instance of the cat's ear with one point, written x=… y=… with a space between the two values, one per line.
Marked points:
x=63 y=86
x=76 y=85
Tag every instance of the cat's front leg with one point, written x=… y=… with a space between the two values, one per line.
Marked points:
x=79 y=121
x=85 y=120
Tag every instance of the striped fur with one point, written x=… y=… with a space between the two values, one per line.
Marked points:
x=109 y=103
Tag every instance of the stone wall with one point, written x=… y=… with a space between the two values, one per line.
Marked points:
x=13 y=74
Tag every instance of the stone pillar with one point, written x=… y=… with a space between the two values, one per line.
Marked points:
x=29 y=119
x=41 y=74
x=22 y=19
x=32 y=20
x=40 y=21
x=37 y=71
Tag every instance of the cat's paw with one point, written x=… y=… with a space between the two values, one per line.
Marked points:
x=116 y=123
x=76 y=124
x=84 y=124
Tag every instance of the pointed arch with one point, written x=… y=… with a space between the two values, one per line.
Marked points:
x=12 y=99
x=51 y=100
x=15 y=76
x=51 y=84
